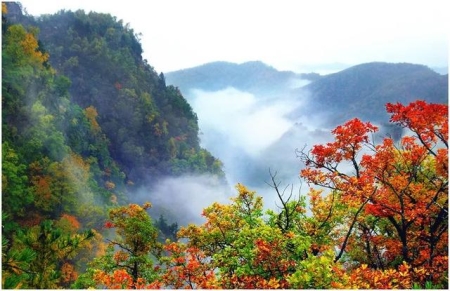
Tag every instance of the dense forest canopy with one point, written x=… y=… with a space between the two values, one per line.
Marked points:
x=85 y=120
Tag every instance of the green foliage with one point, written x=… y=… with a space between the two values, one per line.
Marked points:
x=428 y=285
x=33 y=259
x=246 y=247
x=15 y=262
x=314 y=273
x=133 y=249
x=46 y=174
x=51 y=245
x=137 y=112
x=16 y=195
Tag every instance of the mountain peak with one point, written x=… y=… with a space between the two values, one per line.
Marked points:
x=363 y=90
x=252 y=76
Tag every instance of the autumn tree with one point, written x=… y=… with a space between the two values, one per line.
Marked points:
x=395 y=195
x=131 y=255
x=184 y=267
x=239 y=246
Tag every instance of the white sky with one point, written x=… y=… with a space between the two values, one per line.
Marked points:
x=289 y=35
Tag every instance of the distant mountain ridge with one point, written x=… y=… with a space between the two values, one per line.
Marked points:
x=363 y=90
x=319 y=103
x=254 y=76
x=359 y=91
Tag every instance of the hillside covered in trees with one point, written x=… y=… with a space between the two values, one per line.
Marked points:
x=85 y=121
x=363 y=90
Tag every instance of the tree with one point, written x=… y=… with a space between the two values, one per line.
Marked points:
x=185 y=267
x=15 y=263
x=23 y=48
x=396 y=195
x=41 y=254
x=132 y=253
x=237 y=247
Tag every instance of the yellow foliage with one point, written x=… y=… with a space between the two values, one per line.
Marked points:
x=91 y=115
x=30 y=47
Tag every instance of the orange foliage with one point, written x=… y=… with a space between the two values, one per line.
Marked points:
x=428 y=121
x=119 y=279
x=367 y=278
x=187 y=268
x=402 y=190
x=73 y=221
x=30 y=47
x=43 y=192
x=68 y=273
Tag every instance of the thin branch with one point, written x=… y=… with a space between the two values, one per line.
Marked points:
x=120 y=245
x=344 y=245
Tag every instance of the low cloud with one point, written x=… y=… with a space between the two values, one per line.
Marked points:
x=252 y=134
x=182 y=199
x=243 y=120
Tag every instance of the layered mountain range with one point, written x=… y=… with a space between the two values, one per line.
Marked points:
x=305 y=107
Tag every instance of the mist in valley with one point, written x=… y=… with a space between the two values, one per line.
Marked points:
x=254 y=135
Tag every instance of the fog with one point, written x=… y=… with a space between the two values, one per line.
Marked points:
x=252 y=135
x=182 y=199
x=243 y=121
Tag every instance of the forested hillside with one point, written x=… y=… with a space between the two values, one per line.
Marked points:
x=363 y=90
x=151 y=129
x=85 y=121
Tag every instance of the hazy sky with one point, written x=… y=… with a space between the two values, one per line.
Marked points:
x=289 y=35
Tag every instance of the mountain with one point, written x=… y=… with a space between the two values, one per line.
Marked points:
x=87 y=126
x=359 y=91
x=255 y=77
x=363 y=90
x=151 y=128
x=232 y=100
x=86 y=122
x=90 y=130
x=440 y=70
